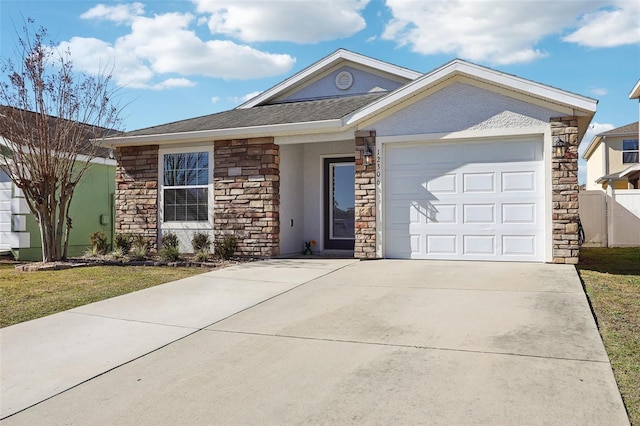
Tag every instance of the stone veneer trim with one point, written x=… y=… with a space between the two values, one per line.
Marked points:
x=564 y=181
x=247 y=194
x=136 y=197
x=365 y=197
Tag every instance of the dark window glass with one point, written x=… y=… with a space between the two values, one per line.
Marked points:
x=186 y=204
x=630 y=151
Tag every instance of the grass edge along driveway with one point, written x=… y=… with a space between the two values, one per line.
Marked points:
x=611 y=277
x=29 y=295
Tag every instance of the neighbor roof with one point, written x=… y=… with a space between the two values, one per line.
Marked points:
x=90 y=133
x=627 y=129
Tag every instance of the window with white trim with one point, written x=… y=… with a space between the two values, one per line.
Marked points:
x=630 y=151
x=185 y=187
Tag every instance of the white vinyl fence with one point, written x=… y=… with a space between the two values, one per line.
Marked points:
x=611 y=220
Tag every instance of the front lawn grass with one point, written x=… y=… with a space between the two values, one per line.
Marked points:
x=28 y=295
x=612 y=280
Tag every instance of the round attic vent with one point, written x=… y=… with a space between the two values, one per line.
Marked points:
x=344 y=80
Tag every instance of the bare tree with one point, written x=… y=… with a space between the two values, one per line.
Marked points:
x=50 y=118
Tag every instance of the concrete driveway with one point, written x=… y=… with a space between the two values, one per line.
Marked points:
x=323 y=341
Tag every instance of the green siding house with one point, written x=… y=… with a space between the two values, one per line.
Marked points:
x=91 y=210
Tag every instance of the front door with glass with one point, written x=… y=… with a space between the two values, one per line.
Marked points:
x=339 y=200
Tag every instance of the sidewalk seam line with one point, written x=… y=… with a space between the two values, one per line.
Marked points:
x=400 y=345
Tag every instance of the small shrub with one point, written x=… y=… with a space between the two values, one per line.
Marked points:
x=201 y=242
x=117 y=253
x=122 y=242
x=170 y=254
x=139 y=248
x=170 y=240
x=226 y=247
x=98 y=243
x=201 y=255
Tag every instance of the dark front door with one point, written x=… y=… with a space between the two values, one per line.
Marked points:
x=339 y=203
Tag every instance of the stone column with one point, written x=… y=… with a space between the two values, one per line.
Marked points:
x=137 y=191
x=565 y=192
x=365 y=197
x=247 y=194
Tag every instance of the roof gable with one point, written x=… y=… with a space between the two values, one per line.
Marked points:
x=341 y=58
x=579 y=105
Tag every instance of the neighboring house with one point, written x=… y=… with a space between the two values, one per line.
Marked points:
x=369 y=158
x=91 y=210
x=610 y=208
x=612 y=159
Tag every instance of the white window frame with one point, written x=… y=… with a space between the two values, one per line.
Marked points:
x=185 y=225
x=636 y=151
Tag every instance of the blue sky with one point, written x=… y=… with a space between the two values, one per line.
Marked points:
x=182 y=59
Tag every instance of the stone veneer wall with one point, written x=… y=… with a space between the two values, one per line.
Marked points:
x=565 y=192
x=247 y=194
x=365 y=197
x=137 y=191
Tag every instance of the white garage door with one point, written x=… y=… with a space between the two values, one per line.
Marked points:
x=465 y=200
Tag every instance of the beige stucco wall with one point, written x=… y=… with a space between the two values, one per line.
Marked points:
x=595 y=168
x=614 y=146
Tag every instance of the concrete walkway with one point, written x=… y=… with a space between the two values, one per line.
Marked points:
x=44 y=357
x=383 y=342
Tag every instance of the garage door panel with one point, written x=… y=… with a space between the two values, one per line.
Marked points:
x=445 y=183
x=441 y=244
x=519 y=181
x=479 y=244
x=478 y=182
x=519 y=213
x=519 y=245
x=479 y=213
x=442 y=213
x=469 y=207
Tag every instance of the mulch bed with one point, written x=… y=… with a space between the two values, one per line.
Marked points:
x=103 y=261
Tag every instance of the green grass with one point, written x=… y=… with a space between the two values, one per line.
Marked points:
x=612 y=280
x=28 y=295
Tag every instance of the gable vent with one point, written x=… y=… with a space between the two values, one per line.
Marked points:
x=344 y=80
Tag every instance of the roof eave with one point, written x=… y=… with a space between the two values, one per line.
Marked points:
x=592 y=147
x=635 y=92
x=308 y=127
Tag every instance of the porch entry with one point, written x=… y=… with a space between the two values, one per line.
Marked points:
x=339 y=203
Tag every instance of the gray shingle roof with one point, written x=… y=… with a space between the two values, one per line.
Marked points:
x=281 y=113
x=627 y=128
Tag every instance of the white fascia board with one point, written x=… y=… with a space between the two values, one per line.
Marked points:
x=635 y=92
x=592 y=147
x=335 y=58
x=271 y=130
x=459 y=67
x=634 y=168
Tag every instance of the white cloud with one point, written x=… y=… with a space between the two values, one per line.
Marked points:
x=242 y=99
x=173 y=82
x=165 y=44
x=298 y=21
x=614 y=26
x=119 y=13
x=215 y=99
x=594 y=129
x=500 y=32
x=599 y=91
